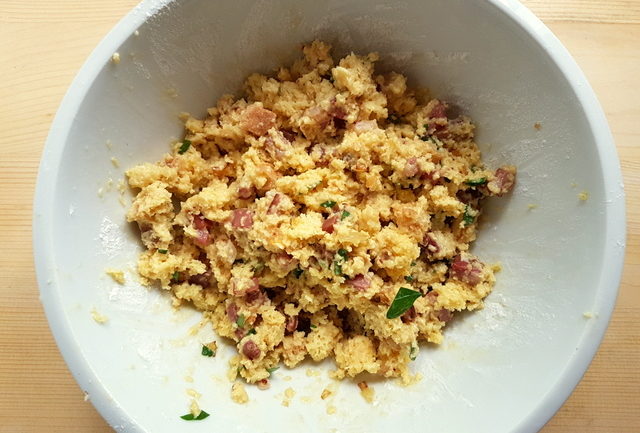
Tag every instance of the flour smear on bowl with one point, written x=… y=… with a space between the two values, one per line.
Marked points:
x=326 y=214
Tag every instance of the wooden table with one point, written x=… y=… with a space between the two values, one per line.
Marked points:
x=43 y=43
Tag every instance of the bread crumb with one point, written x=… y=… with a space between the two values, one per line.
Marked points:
x=86 y=395
x=537 y=126
x=366 y=392
x=532 y=206
x=286 y=378
x=589 y=315
x=188 y=379
x=306 y=399
x=326 y=393
x=115 y=58
x=583 y=196
x=100 y=192
x=289 y=393
x=115 y=162
x=136 y=33
x=573 y=184
x=193 y=393
x=194 y=408
x=311 y=372
x=238 y=393
x=116 y=275
x=331 y=409
x=122 y=202
x=109 y=144
x=97 y=317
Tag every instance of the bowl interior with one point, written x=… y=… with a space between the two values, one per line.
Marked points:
x=496 y=366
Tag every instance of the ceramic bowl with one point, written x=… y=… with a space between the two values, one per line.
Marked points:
x=507 y=368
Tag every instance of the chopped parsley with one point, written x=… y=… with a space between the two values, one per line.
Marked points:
x=312 y=326
x=297 y=272
x=476 y=182
x=328 y=204
x=258 y=267
x=163 y=251
x=240 y=321
x=177 y=276
x=343 y=253
x=408 y=278
x=190 y=417
x=207 y=352
x=413 y=353
x=252 y=331
x=272 y=369
x=344 y=215
x=186 y=144
x=467 y=217
x=337 y=268
x=413 y=263
x=402 y=302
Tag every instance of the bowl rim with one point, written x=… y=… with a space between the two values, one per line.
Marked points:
x=615 y=220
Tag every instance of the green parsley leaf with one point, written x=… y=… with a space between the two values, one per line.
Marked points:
x=467 y=218
x=343 y=253
x=163 y=251
x=184 y=146
x=297 y=272
x=408 y=278
x=240 y=321
x=177 y=276
x=413 y=353
x=476 y=182
x=344 y=215
x=207 y=352
x=312 y=326
x=258 y=267
x=189 y=417
x=328 y=204
x=413 y=263
x=272 y=369
x=402 y=302
x=337 y=268
x=252 y=331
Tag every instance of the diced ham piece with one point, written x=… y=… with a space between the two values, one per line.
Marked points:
x=328 y=224
x=254 y=295
x=257 y=120
x=232 y=312
x=251 y=350
x=203 y=280
x=444 y=315
x=286 y=261
x=246 y=192
x=202 y=227
x=360 y=282
x=439 y=110
x=263 y=384
x=411 y=168
x=430 y=243
x=410 y=315
x=320 y=116
x=467 y=271
x=242 y=219
x=292 y=324
x=273 y=207
x=431 y=297
x=365 y=125
x=505 y=178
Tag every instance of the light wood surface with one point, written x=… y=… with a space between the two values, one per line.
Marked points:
x=42 y=45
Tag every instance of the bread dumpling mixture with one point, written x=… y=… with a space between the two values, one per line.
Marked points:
x=293 y=217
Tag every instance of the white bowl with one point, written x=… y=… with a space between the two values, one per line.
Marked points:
x=506 y=368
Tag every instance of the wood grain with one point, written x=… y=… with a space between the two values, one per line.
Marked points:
x=43 y=44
